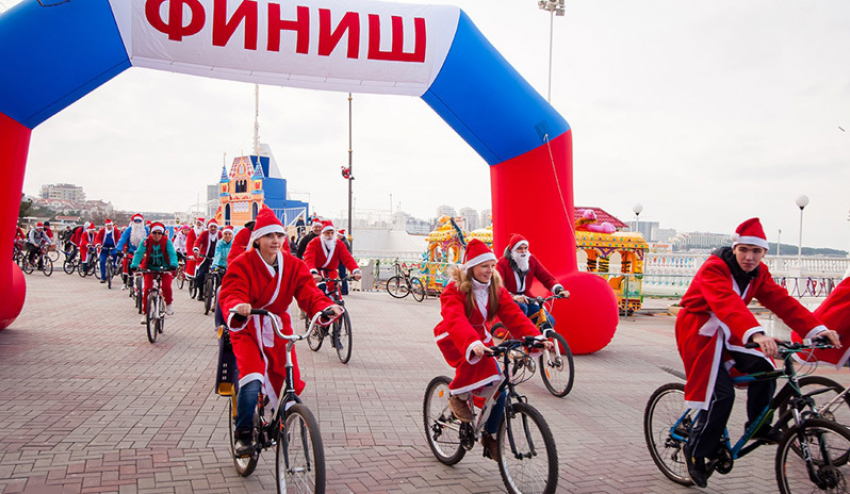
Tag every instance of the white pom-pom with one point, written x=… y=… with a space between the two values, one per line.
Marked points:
x=735 y=237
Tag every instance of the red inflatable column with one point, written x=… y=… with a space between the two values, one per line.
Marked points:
x=533 y=195
x=14 y=144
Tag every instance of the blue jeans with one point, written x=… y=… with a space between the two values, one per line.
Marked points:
x=104 y=252
x=496 y=414
x=532 y=308
x=246 y=404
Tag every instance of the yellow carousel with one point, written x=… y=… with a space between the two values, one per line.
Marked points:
x=445 y=248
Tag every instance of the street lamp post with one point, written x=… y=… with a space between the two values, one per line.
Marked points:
x=637 y=208
x=802 y=202
x=555 y=7
x=779 y=242
x=350 y=175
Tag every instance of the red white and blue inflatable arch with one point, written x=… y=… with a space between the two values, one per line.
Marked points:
x=54 y=52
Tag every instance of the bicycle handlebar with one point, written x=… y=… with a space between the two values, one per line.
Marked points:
x=527 y=341
x=276 y=326
x=542 y=300
x=789 y=347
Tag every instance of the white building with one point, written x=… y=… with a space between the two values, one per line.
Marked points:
x=486 y=218
x=65 y=192
x=699 y=241
x=470 y=219
x=446 y=211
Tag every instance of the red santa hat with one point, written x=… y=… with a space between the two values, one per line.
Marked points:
x=185 y=228
x=87 y=225
x=227 y=228
x=327 y=225
x=477 y=252
x=212 y=222
x=138 y=216
x=157 y=227
x=341 y=232
x=750 y=232
x=316 y=221
x=516 y=241
x=39 y=225
x=107 y=223
x=199 y=220
x=266 y=222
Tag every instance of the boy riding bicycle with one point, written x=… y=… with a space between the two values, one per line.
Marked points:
x=264 y=277
x=712 y=328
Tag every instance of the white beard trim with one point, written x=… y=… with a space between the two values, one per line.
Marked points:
x=521 y=260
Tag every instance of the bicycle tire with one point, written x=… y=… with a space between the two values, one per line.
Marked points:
x=839 y=412
x=245 y=465
x=209 y=289
x=53 y=255
x=397 y=287
x=26 y=267
x=150 y=318
x=316 y=337
x=512 y=465
x=442 y=428
x=81 y=270
x=47 y=266
x=181 y=277
x=558 y=375
x=139 y=293
x=109 y=275
x=69 y=267
x=193 y=290
x=417 y=289
x=304 y=472
x=664 y=408
x=821 y=436
x=343 y=338
x=160 y=320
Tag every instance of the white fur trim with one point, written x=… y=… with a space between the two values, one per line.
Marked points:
x=758 y=242
x=474 y=386
x=475 y=261
x=234 y=328
x=469 y=355
x=254 y=376
x=816 y=331
x=157 y=228
x=750 y=332
x=521 y=242
x=265 y=231
x=441 y=336
x=329 y=227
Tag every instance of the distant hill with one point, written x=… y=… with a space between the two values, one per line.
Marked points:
x=791 y=250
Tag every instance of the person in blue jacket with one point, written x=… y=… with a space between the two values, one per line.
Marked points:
x=130 y=240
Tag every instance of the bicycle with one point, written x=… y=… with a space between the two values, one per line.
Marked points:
x=155 y=316
x=340 y=332
x=556 y=365
x=399 y=286
x=211 y=285
x=819 y=446
x=69 y=265
x=53 y=253
x=180 y=276
x=111 y=268
x=90 y=267
x=527 y=456
x=136 y=291
x=293 y=431
x=18 y=251
x=39 y=260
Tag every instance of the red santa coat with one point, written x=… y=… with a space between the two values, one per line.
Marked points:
x=834 y=313
x=319 y=260
x=190 y=256
x=260 y=354
x=202 y=243
x=240 y=244
x=456 y=334
x=515 y=285
x=86 y=239
x=116 y=236
x=715 y=317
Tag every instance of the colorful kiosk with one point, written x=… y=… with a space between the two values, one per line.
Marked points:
x=600 y=249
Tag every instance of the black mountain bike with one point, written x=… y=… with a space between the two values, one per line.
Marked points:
x=111 y=269
x=211 y=285
x=812 y=454
x=40 y=260
x=404 y=284
x=293 y=430
x=527 y=457
x=155 y=321
x=340 y=330
x=69 y=265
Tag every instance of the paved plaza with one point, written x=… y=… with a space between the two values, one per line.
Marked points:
x=88 y=405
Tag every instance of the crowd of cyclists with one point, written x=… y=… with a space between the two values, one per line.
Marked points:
x=261 y=268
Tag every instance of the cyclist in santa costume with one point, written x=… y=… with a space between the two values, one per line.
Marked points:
x=190 y=244
x=712 y=328
x=325 y=252
x=265 y=277
x=834 y=312
x=473 y=298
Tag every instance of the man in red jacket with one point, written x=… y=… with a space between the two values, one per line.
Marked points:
x=519 y=268
x=325 y=252
x=713 y=326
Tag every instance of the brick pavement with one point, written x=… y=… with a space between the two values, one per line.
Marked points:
x=90 y=406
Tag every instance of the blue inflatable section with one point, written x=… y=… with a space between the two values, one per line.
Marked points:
x=52 y=56
x=487 y=102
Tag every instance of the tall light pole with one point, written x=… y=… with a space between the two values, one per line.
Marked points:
x=555 y=7
x=350 y=174
x=637 y=208
x=802 y=202
x=779 y=242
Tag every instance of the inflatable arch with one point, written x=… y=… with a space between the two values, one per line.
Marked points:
x=57 y=51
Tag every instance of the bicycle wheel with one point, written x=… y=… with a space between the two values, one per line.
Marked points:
x=665 y=410
x=316 y=337
x=343 y=338
x=47 y=266
x=209 y=289
x=529 y=462
x=152 y=313
x=181 y=277
x=417 y=289
x=160 y=320
x=397 y=287
x=441 y=427
x=245 y=465
x=109 y=275
x=26 y=267
x=53 y=255
x=193 y=290
x=838 y=412
x=81 y=270
x=68 y=266
x=139 y=293
x=825 y=441
x=300 y=458
x=556 y=366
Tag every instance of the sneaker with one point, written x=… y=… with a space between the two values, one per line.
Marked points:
x=460 y=408
x=491 y=447
x=123 y=288
x=103 y=281
x=696 y=467
x=242 y=441
x=169 y=310
x=144 y=320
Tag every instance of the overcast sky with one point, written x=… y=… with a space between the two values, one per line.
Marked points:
x=706 y=113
